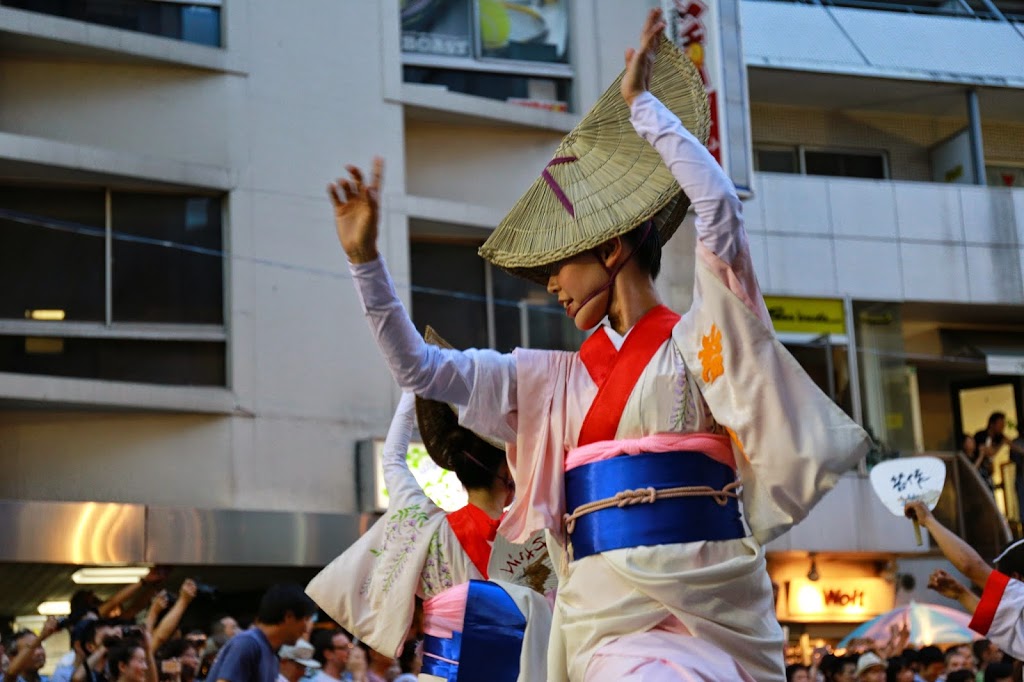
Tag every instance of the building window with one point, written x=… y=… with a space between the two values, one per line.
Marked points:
x=814 y=161
x=845 y=164
x=197 y=21
x=111 y=284
x=776 y=160
x=475 y=305
x=512 y=51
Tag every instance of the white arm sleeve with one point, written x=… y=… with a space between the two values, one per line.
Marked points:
x=719 y=220
x=483 y=381
x=400 y=482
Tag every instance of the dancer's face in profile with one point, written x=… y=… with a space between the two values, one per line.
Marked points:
x=575 y=279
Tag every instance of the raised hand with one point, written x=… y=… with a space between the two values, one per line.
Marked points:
x=916 y=510
x=188 y=590
x=160 y=601
x=640 y=63
x=49 y=627
x=945 y=584
x=356 y=212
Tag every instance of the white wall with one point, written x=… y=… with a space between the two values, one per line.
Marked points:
x=816 y=236
x=306 y=376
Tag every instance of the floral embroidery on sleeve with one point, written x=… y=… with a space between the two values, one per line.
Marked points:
x=399 y=538
x=436 y=576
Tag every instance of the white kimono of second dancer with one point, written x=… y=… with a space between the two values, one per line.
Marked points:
x=411 y=551
x=622 y=610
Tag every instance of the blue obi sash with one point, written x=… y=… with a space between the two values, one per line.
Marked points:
x=662 y=522
x=488 y=648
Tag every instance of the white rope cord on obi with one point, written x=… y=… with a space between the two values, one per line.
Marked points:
x=648 y=495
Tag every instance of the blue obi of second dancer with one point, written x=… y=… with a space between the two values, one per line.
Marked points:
x=663 y=522
x=490 y=644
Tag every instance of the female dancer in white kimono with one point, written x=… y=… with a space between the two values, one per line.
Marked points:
x=660 y=578
x=418 y=553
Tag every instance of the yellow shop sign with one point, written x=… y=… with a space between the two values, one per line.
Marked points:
x=807 y=315
x=849 y=600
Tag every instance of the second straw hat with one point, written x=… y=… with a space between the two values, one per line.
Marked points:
x=437 y=419
x=604 y=179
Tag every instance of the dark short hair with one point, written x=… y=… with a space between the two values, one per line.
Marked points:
x=122 y=653
x=980 y=648
x=282 y=599
x=1011 y=560
x=962 y=675
x=998 y=671
x=994 y=417
x=931 y=654
x=176 y=648
x=793 y=669
x=645 y=241
x=323 y=640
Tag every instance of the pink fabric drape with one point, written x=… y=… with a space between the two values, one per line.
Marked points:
x=715 y=446
x=444 y=613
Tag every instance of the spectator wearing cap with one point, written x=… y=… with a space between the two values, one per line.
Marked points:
x=250 y=656
x=331 y=650
x=296 y=659
x=870 y=668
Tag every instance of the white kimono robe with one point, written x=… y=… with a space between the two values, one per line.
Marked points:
x=413 y=551
x=791 y=444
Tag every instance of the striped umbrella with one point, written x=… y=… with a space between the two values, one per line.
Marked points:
x=929 y=624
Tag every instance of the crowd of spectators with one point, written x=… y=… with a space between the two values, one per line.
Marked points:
x=136 y=636
x=980 y=661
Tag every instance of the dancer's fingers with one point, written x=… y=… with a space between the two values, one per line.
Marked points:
x=629 y=55
x=332 y=192
x=377 y=174
x=356 y=174
x=348 y=188
x=653 y=17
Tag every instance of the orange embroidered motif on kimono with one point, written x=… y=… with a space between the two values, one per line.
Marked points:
x=711 y=355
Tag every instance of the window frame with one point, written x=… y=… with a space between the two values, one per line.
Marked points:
x=489 y=303
x=477 y=62
x=801 y=157
x=138 y=331
x=802 y=150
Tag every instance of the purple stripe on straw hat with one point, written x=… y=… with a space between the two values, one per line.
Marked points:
x=553 y=184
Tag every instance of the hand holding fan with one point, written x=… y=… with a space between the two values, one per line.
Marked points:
x=900 y=481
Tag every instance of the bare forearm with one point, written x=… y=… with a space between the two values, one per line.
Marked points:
x=108 y=607
x=969 y=601
x=959 y=553
x=163 y=631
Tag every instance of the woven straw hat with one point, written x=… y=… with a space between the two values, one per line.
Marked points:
x=604 y=179
x=437 y=420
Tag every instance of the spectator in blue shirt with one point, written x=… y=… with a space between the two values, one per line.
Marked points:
x=284 y=616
